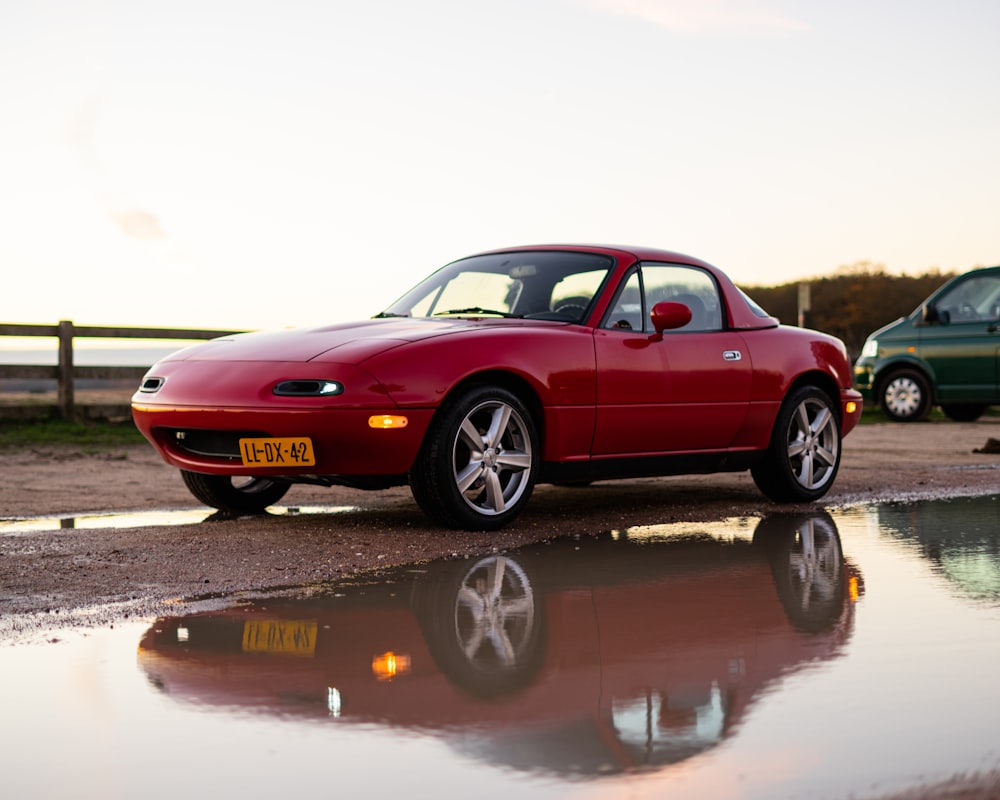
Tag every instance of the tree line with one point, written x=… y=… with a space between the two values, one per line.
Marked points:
x=857 y=300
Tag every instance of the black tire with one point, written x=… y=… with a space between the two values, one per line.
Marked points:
x=905 y=396
x=478 y=464
x=804 y=453
x=240 y=495
x=964 y=412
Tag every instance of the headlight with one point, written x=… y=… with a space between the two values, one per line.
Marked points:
x=870 y=350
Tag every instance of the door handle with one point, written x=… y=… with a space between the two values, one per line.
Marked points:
x=732 y=355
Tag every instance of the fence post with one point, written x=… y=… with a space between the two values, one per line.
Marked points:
x=66 y=409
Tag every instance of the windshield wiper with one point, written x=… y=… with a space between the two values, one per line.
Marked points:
x=477 y=310
x=387 y=314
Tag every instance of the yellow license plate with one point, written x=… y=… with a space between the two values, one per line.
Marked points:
x=277 y=452
x=284 y=636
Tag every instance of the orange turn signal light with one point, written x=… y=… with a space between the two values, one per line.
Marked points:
x=851 y=407
x=387 y=421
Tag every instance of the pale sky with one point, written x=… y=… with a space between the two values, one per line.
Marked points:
x=213 y=163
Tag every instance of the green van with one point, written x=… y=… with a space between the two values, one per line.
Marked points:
x=947 y=353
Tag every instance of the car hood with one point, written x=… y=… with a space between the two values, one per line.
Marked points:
x=346 y=343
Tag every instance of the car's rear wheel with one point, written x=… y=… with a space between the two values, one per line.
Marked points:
x=477 y=467
x=804 y=454
x=905 y=396
x=242 y=495
x=963 y=412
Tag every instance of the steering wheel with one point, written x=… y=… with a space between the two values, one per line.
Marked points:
x=964 y=311
x=573 y=306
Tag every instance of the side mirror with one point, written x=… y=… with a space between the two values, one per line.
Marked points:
x=668 y=316
x=932 y=314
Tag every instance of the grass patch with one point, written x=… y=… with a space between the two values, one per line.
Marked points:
x=89 y=436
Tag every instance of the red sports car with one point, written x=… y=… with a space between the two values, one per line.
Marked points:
x=558 y=363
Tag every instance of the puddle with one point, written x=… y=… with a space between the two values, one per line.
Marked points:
x=803 y=655
x=143 y=519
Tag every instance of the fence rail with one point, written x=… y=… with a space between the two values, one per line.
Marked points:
x=65 y=373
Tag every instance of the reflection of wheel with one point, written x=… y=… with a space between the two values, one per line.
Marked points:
x=477 y=467
x=483 y=626
x=963 y=412
x=243 y=495
x=808 y=565
x=905 y=396
x=804 y=453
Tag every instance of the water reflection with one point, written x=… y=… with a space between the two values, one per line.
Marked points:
x=627 y=651
x=961 y=538
x=145 y=519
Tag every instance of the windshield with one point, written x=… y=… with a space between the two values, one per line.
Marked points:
x=537 y=285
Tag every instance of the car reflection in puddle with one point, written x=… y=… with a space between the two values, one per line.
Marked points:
x=626 y=651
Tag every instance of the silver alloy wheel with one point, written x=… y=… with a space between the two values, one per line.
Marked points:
x=494 y=614
x=903 y=396
x=813 y=444
x=492 y=456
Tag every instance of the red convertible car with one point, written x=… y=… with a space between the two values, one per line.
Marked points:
x=558 y=363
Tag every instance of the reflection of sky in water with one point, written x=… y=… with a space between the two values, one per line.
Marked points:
x=909 y=697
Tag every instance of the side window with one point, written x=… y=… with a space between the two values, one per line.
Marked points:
x=688 y=285
x=975 y=299
x=654 y=283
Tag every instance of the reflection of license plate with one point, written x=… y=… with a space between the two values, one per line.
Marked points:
x=277 y=452
x=287 y=636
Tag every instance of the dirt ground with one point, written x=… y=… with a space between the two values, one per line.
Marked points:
x=72 y=571
x=88 y=577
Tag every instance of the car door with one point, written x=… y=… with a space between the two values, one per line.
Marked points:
x=684 y=390
x=962 y=345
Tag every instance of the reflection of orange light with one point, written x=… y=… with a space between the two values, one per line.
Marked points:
x=911 y=349
x=852 y=589
x=851 y=407
x=387 y=421
x=388 y=665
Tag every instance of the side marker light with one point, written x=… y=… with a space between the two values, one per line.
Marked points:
x=385 y=421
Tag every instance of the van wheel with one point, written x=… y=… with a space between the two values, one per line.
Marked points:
x=906 y=396
x=963 y=412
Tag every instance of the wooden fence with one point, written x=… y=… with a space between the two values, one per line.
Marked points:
x=65 y=373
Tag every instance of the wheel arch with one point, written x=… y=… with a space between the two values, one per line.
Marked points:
x=512 y=382
x=823 y=381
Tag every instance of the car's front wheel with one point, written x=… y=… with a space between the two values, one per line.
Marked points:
x=478 y=465
x=905 y=396
x=804 y=454
x=241 y=495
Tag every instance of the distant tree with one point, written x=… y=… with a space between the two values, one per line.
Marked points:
x=850 y=304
